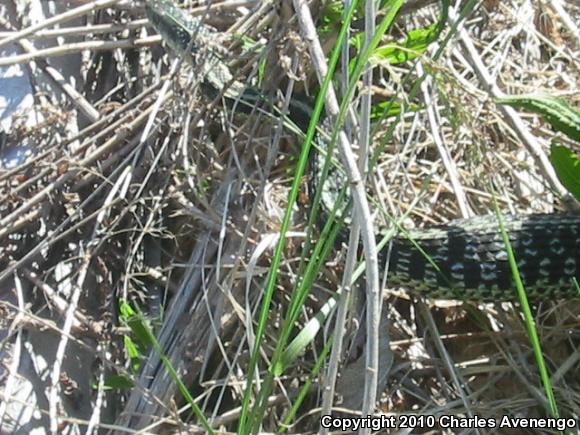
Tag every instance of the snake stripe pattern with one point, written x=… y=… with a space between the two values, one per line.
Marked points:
x=464 y=259
x=470 y=260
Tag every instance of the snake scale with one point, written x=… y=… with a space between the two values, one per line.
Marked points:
x=464 y=259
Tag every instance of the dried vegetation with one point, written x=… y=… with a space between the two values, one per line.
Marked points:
x=142 y=189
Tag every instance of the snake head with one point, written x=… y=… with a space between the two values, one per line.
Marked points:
x=174 y=25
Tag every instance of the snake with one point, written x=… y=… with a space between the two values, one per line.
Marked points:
x=464 y=259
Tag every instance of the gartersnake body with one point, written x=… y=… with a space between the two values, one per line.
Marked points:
x=464 y=259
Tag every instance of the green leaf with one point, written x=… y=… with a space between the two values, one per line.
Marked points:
x=136 y=323
x=262 y=70
x=133 y=352
x=331 y=18
x=416 y=43
x=305 y=337
x=117 y=382
x=388 y=109
x=357 y=41
x=567 y=166
x=561 y=116
x=132 y=349
x=126 y=310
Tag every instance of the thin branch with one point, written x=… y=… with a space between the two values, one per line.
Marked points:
x=77 y=47
x=59 y=19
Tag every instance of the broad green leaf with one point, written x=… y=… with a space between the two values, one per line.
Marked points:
x=561 y=116
x=567 y=165
x=416 y=43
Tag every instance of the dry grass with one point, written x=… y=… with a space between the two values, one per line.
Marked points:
x=170 y=201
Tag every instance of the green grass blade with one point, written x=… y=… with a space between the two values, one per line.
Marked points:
x=528 y=316
x=257 y=415
x=150 y=337
x=306 y=387
x=388 y=20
